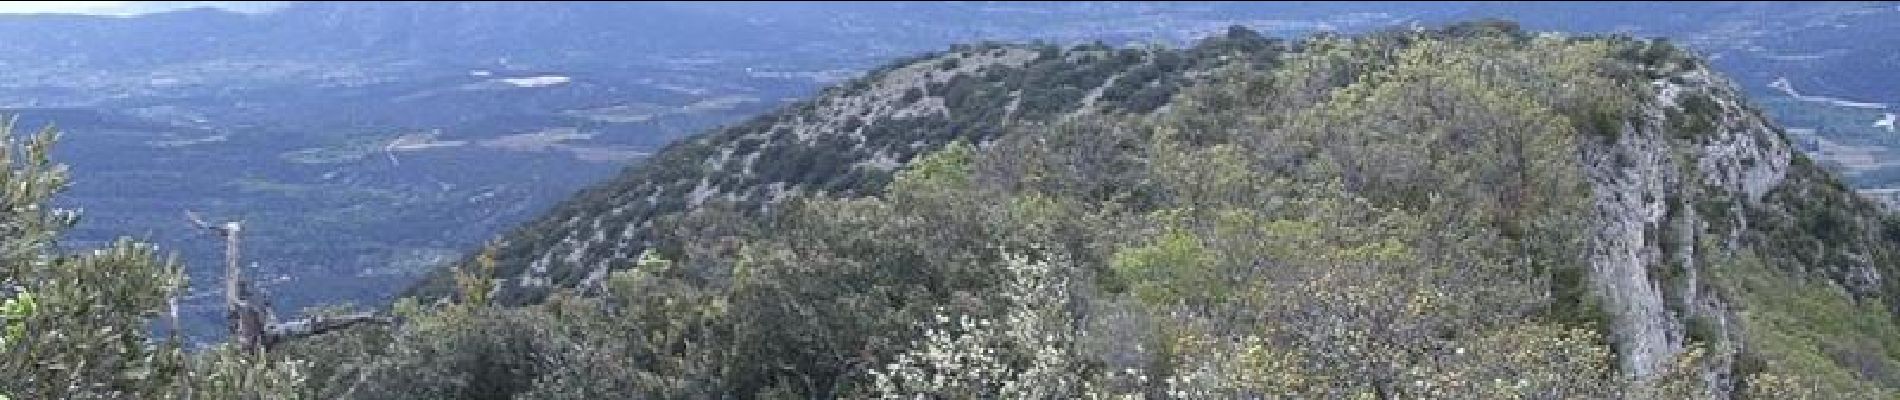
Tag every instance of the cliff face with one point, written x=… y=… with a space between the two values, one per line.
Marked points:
x=1695 y=184
x=1647 y=184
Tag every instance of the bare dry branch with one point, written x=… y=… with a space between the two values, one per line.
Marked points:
x=317 y=325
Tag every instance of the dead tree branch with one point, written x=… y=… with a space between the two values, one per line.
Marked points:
x=251 y=322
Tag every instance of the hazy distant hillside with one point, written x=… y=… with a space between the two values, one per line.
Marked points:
x=1822 y=47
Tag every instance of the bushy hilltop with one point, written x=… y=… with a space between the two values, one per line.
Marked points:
x=1691 y=229
x=848 y=141
x=1464 y=212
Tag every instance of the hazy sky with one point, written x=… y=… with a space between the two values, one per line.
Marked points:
x=72 y=7
x=125 y=7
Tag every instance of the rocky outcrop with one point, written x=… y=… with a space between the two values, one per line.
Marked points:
x=1672 y=184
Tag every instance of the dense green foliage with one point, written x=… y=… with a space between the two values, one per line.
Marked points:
x=75 y=321
x=1397 y=215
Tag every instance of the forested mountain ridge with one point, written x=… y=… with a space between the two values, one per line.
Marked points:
x=849 y=139
x=1471 y=211
x=366 y=144
x=1680 y=175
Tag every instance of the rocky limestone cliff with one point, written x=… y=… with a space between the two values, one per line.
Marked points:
x=1646 y=184
x=1697 y=179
